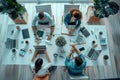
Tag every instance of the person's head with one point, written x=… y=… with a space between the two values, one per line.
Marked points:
x=76 y=14
x=78 y=61
x=38 y=64
x=41 y=15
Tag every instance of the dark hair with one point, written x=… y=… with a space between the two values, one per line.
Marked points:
x=41 y=15
x=78 y=61
x=77 y=15
x=38 y=64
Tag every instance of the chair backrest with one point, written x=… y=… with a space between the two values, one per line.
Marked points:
x=44 y=8
x=67 y=8
x=79 y=77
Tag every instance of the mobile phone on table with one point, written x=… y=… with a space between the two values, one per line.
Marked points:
x=82 y=48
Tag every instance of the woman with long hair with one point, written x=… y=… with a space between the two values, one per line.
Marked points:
x=72 y=18
x=41 y=72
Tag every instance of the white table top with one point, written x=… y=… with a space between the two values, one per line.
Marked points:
x=51 y=49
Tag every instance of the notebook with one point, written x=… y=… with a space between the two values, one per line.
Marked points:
x=25 y=33
x=40 y=33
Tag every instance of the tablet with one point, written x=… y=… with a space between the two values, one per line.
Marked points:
x=25 y=33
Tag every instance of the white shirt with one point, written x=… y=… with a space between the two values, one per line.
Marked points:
x=47 y=18
x=44 y=70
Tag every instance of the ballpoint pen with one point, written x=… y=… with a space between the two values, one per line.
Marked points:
x=94 y=34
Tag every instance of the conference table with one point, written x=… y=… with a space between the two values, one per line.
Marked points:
x=94 y=30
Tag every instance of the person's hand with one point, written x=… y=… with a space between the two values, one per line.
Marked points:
x=37 y=37
x=49 y=37
x=70 y=32
x=73 y=45
x=72 y=50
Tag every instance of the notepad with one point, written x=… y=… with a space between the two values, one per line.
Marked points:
x=40 y=33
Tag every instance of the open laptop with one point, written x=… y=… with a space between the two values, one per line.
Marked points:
x=93 y=54
x=40 y=48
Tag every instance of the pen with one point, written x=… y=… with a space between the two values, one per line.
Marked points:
x=95 y=36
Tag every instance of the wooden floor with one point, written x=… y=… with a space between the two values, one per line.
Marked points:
x=23 y=72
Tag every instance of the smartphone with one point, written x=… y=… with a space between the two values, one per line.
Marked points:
x=82 y=48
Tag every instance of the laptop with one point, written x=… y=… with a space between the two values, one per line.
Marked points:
x=93 y=54
x=40 y=48
x=84 y=31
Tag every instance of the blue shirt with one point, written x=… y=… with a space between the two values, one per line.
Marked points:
x=71 y=66
x=47 y=19
x=67 y=20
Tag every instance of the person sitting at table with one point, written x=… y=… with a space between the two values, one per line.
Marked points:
x=41 y=19
x=41 y=72
x=75 y=66
x=72 y=18
x=36 y=54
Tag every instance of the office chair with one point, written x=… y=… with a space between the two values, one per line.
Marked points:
x=67 y=8
x=44 y=8
x=77 y=77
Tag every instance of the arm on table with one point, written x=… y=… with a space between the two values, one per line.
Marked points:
x=35 y=55
x=51 y=32
x=34 y=28
x=48 y=58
